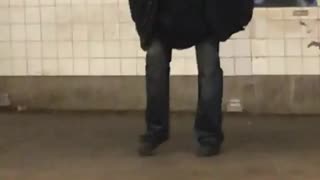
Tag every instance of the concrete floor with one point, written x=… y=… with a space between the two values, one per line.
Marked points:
x=102 y=146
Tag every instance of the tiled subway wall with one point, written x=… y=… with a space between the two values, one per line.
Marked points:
x=97 y=38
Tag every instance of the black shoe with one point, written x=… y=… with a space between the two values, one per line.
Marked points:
x=149 y=144
x=208 y=151
x=147 y=149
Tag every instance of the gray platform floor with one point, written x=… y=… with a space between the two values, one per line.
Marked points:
x=102 y=146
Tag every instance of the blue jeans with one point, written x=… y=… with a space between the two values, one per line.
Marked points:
x=208 y=123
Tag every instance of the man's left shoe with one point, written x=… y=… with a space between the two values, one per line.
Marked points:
x=208 y=151
x=148 y=144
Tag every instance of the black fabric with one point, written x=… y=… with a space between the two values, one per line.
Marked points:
x=181 y=23
x=143 y=13
x=224 y=17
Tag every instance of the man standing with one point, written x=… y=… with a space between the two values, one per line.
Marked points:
x=164 y=25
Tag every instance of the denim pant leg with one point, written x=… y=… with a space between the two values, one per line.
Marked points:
x=208 y=124
x=157 y=88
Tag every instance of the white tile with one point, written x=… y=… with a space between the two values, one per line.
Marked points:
x=4 y=15
x=16 y=2
x=80 y=49
x=5 y=49
x=4 y=3
x=79 y=14
x=65 y=67
x=178 y=66
x=80 y=32
x=50 y=67
x=113 y=67
x=4 y=32
x=176 y=54
x=309 y=49
x=95 y=2
x=128 y=67
x=128 y=49
x=96 y=32
x=49 y=49
x=276 y=29
x=34 y=49
x=111 y=31
x=277 y=66
x=17 y=15
x=228 y=66
x=95 y=14
x=81 y=67
x=127 y=31
x=18 y=32
x=276 y=47
x=124 y=13
x=226 y=49
x=63 y=14
x=311 y=65
x=312 y=13
x=96 y=49
x=47 y=2
x=142 y=54
x=293 y=29
x=141 y=67
x=294 y=65
x=65 y=49
x=275 y=13
x=259 y=48
x=112 y=14
x=5 y=67
x=245 y=34
x=291 y=13
x=293 y=47
x=259 y=28
x=48 y=15
x=30 y=3
x=243 y=66
x=32 y=15
x=33 y=32
x=309 y=28
x=189 y=53
x=64 y=32
x=190 y=66
x=110 y=1
x=78 y=2
x=34 y=67
x=112 y=49
x=242 y=48
x=260 y=66
x=63 y=2
x=19 y=67
x=97 y=67
x=19 y=49
x=48 y=32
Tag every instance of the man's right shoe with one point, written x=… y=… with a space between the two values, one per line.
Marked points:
x=208 y=151
x=148 y=145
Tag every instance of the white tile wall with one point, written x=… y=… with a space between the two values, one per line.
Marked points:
x=277 y=66
x=243 y=66
x=260 y=66
x=19 y=67
x=228 y=66
x=98 y=38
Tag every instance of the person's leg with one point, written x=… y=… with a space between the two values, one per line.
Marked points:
x=157 y=87
x=208 y=124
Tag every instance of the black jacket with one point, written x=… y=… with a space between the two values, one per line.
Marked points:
x=224 y=17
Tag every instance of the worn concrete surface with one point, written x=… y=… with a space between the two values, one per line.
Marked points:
x=258 y=94
x=102 y=146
